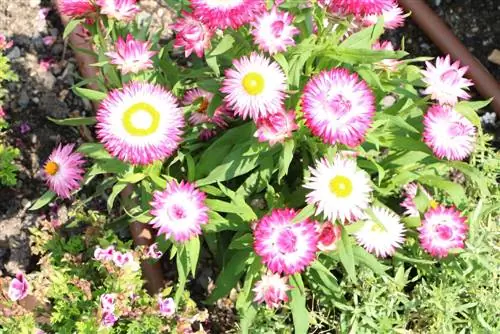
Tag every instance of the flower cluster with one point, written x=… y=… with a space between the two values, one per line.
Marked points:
x=125 y=261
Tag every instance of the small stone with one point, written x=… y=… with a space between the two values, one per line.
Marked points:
x=35 y=100
x=14 y=53
x=25 y=203
x=51 y=105
x=23 y=100
x=34 y=138
x=57 y=49
x=47 y=79
x=68 y=74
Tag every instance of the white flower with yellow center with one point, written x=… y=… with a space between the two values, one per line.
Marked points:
x=140 y=123
x=255 y=88
x=382 y=232
x=339 y=190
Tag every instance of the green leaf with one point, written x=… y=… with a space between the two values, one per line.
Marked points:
x=225 y=44
x=132 y=178
x=76 y=121
x=247 y=319
x=365 y=38
x=286 y=157
x=474 y=174
x=214 y=66
x=182 y=262
x=217 y=223
x=454 y=190
x=90 y=94
x=117 y=189
x=43 y=200
x=215 y=103
x=362 y=256
x=94 y=151
x=193 y=251
x=72 y=24
x=300 y=314
x=344 y=247
x=230 y=275
x=305 y=213
x=243 y=242
x=325 y=279
x=469 y=110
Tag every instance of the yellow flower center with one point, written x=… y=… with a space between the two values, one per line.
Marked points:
x=377 y=228
x=433 y=204
x=253 y=83
x=341 y=186
x=51 y=168
x=141 y=119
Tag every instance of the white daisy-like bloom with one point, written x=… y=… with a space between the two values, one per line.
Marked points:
x=339 y=190
x=255 y=87
x=382 y=236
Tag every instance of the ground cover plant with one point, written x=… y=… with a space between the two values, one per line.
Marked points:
x=337 y=183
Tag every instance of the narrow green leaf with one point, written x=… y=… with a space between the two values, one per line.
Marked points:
x=193 y=251
x=94 y=151
x=300 y=314
x=72 y=24
x=90 y=94
x=454 y=190
x=43 y=200
x=117 y=189
x=243 y=242
x=305 y=213
x=225 y=44
x=76 y=121
x=286 y=157
x=182 y=262
x=344 y=247
x=362 y=256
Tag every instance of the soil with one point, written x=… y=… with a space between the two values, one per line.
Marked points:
x=42 y=93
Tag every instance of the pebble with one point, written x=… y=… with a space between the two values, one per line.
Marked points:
x=57 y=49
x=23 y=100
x=14 y=53
x=47 y=79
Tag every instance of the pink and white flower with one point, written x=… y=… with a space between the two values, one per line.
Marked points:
x=192 y=35
x=442 y=230
x=329 y=234
x=272 y=290
x=445 y=81
x=131 y=56
x=338 y=107
x=179 y=211
x=154 y=252
x=360 y=7
x=140 y=123
x=394 y=17
x=285 y=246
x=105 y=254
x=255 y=88
x=76 y=8
x=339 y=189
x=273 y=31
x=108 y=302
x=410 y=192
x=382 y=232
x=449 y=134
x=275 y=128
x=63 y=170
x=166 y=306
x=387 y=64
x=121 y=10
x=125 y=261
x=223 y=14
x=18 y=288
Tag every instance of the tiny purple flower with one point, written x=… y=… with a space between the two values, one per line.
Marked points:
x=49 y=40
x=18 y=288
x=166 y=306
x=24 y=128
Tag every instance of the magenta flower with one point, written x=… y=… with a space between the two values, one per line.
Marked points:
x=75 y=8
x=166 y=306
x=442 y=230
x=275 y=128
x=360 y=7
x=2 y=112
x=192 y=35
x=394 y=17
x=273 y=31
x=285 y=246
x=224 y=14
x=131 y=56
x=338 y=107
x=449 y=134
x=18 y=288
x=179 y=211
x=121 y=10
x=329 y=234
x=125 y=260
x=63 y=171
x=272 y=290
x=387 y=64
x=4 y=45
